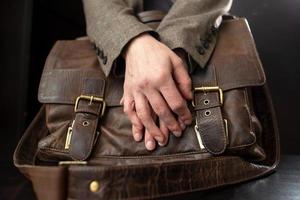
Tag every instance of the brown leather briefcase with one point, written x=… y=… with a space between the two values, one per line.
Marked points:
x=80 y=145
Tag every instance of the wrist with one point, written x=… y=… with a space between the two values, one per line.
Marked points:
x=135 y=42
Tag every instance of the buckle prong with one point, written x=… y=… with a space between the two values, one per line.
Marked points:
x=91 y=100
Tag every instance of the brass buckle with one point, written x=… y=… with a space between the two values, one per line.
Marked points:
x=209 y=89
x=91 y=99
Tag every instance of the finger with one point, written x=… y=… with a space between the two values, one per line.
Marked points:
x=143 y=111
x=175 y=101
x=164 y=129
x=182 y=124
x=149 y=141
x=182 y=78
x=161 y=108
x=137 y=126
x=122 y=100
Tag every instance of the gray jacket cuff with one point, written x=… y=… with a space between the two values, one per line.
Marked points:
x=111 y=31
x=194 y=31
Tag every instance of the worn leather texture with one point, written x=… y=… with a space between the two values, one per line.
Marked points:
x=217 y=154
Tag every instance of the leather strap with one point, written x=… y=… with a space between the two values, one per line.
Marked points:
x=49 y=183
x=207 y=105
x=88 y=109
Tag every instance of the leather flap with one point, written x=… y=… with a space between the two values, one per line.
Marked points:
x=67 y=66
x=234 y=64
x=234 y=60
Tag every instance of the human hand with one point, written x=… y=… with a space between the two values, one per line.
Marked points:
x=156 y=79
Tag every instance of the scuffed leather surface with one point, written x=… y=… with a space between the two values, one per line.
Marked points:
x=60 y=185
x=71 y=62
x=129 y=171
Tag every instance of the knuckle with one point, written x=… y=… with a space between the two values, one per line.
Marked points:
x=152 y=133
x=126 y=109
x=156 y=134
x=144 y=115
x=188 y=82
x=137 y=125
x=161 y=76
x=178 y=62
x=143 y=83
x=174 y=127
x=178 y=106
x=161 y=111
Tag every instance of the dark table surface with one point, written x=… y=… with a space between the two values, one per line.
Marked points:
x=282 y=185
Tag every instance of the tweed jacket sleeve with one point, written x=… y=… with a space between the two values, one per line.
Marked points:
x=111 y=24
x=192 y=25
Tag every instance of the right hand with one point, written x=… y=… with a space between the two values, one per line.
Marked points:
x=156 y=80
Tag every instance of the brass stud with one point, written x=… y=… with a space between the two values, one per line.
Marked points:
x=85 y=123
x=94 y=186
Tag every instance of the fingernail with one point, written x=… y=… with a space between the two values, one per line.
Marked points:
x=159 y=139
x=137 y=137
x=177 y=134
x=161 y=144
x=150 y=145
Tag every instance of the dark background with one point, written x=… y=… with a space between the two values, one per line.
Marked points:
x=28 y=29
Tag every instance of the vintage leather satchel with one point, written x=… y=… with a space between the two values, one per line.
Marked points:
x=80 y=145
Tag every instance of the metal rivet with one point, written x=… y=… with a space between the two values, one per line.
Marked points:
x=94 y=186
x=207 y=113
x=206 y=102
x=85 y=123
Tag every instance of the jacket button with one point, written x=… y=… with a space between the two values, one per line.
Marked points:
x=94 y=46
x=201 y=50
x=97 y=51
x=213 y=30
x=205 y=44
x=94 y=186
x=101 y=54
x=104 y=61
x=208 y=38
